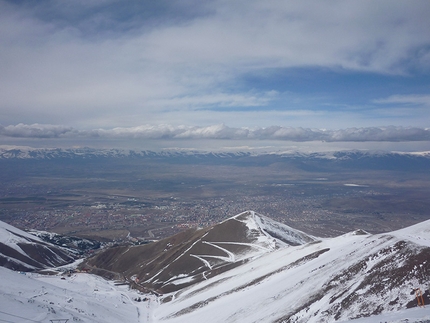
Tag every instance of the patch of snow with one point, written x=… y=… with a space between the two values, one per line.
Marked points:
x=180 y=279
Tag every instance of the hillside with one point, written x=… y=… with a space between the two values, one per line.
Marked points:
x=25 y=252
x=339 y=279
x=252 y=269
x=195 y=255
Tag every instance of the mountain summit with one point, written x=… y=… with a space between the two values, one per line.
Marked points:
x=337 y=279
x=196 y=255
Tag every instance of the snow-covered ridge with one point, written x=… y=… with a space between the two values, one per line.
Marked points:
x=273 y=230
x=20 y=250
x=337 y=279
x=79 y=245
x=418 y=233
x=11 y=235
x=8 y=152
x=24 y=152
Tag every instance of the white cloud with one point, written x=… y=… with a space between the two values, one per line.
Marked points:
x=36 y=131
x=53 y=72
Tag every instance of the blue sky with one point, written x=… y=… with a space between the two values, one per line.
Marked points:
x=215 y=69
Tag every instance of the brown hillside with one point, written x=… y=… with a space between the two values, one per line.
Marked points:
x=189 y=257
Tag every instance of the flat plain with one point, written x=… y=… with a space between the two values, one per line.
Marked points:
x=151 y=198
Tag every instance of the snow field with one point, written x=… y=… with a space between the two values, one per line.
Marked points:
x=79 y=298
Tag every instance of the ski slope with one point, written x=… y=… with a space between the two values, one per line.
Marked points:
x=322 y=281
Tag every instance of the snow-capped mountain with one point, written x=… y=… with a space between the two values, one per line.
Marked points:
x=338 y=279
x=22 y=152
x=355 y=277
x=22 y=251
x=277 y=274
x=195 y=255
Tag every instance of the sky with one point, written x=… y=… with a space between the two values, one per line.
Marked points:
x=299 y=71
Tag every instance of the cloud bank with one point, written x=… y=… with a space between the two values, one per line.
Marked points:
x=214 y=132
x=108 y=63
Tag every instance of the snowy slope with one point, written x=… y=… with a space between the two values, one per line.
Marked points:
x=20 y=250
x=338 y=279
x=79 y=298
x=278 y=230
x=11 y=235
x=90 y=299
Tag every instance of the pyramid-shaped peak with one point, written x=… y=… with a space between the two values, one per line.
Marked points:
x=273 y=229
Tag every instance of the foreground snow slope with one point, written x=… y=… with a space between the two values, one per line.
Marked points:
x=79 y=298
x=337 y=279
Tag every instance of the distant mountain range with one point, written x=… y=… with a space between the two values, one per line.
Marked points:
x=357 y=159
x=247 y=268
x=90 y=153
x=20 y=152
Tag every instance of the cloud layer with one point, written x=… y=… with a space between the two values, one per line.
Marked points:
x=109 y=63
x=158 y=132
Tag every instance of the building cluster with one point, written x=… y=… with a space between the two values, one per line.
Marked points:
x=158 y=218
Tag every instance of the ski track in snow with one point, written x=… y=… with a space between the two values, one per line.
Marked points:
x=82 y=297
x=206 y=263
x=192 y=245
x=230 y=257
x=252 y=245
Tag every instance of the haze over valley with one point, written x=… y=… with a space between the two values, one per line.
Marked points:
x=114 y=194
